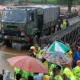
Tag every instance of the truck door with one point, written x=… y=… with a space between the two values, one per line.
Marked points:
x=31 y=25
x=40 y=22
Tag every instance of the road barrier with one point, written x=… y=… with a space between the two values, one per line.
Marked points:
x=69 y=35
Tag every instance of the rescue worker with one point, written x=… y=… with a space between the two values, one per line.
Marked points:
x=16 y=70
x=76 y=70
x=64 y=24
x=52 y=66
x=31 y=53
x=18 y=73
x=39 y=53
x=26 y=74
x=69 y=74
x=22 y=73
x=51 y=69
x=34 y=49
x=56 y=74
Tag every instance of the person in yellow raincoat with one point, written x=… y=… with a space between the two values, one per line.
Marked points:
x=69 y=74
x=56 y=74
x=64 y=24
x=34 y=49
x=54 y=66
x=76 y=70
x=39 y=53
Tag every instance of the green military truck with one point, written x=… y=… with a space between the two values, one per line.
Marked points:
x=22 y=24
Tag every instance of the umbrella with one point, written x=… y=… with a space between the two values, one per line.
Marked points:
x=28 y=63
x=57 y=58
x=58 y=46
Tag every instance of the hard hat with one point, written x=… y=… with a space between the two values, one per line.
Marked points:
x=32 y=47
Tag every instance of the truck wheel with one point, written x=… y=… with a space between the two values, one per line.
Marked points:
x=8 y=43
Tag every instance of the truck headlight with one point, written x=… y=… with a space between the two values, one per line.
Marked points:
x=22 y=34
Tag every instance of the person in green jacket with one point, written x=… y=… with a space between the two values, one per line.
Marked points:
x=76 y=70
x=16 y=70
x=17 y=73
x=23 y=73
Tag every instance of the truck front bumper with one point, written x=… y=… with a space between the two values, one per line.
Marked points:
x=15 y=39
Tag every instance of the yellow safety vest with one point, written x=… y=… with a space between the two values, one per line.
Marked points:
x=69 y=74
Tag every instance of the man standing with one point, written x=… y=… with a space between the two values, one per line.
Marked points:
x=6 y=75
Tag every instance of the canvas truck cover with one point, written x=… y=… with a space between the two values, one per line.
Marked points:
x=50 y=12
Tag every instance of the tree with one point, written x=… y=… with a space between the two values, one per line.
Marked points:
x=45 y=1
x=67 y=2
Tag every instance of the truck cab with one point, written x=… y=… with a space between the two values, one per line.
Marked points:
x=19 y=25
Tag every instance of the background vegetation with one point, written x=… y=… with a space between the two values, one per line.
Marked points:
x=69 y=3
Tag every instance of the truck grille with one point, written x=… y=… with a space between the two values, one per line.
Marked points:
x=12 y=32
x=12 y=27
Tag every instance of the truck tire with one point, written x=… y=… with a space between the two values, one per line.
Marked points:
x=8 y=43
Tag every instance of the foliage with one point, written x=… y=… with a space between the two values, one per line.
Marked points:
x=66 y=2
x=47 y=1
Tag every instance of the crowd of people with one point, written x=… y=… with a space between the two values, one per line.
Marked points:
x=55 y=72
x=63 y=23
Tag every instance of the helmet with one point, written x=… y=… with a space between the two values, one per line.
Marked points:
x=32 y=47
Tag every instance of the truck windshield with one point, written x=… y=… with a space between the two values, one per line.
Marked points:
x=14 y=16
